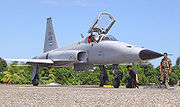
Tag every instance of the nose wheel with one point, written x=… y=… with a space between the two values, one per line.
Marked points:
x=116 y=82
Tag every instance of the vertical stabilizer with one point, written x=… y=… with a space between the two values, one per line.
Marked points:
x=50 y=38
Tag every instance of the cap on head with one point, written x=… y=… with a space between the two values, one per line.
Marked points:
x=165 y=53
x=129 y=66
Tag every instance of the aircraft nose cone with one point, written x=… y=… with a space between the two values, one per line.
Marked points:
x=148 y=54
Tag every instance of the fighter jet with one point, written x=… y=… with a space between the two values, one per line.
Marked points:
x=96 y=50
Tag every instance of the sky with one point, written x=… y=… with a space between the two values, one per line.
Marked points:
x=153 y=24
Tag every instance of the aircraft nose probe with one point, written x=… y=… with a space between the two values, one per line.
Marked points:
x=148 y=54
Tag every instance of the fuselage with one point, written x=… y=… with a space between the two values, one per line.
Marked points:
x=103 y=52
x=106 y=52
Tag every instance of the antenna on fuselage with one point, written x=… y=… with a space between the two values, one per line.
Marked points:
x=82 y=36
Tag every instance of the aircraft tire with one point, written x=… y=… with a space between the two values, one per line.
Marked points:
x=116 y=82
x=35 y=82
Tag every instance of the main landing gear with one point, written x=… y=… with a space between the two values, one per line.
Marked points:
x=35 y=81
x=104 y=77
x=116 y=76
x=35 y=75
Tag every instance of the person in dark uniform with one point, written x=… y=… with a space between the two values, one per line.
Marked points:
x=133 y=79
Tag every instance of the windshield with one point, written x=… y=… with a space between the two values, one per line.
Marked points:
x=109 y=37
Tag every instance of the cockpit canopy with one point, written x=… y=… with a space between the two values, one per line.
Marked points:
x=99 y=29
x=102 y=24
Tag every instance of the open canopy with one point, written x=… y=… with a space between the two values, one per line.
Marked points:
x=102 y=24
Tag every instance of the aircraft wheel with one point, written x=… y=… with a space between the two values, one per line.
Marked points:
x=35 y=81
x=116 y=82
x=101 y=82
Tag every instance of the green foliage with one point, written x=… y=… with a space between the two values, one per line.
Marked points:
x=47 y=75
x=16 y=75
x=176 y=76
x=124 y=75
x=143 y=79
x=178 y=61
x=152 y=74
x=173 y=78
x=67 y=76
x=3 y=65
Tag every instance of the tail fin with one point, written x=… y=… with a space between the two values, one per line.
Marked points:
x=50 y=38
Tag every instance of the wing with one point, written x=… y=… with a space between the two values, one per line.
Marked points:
x=40 y=61
x=57 y=58
x=54 y=62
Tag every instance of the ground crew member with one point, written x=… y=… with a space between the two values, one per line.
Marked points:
x=133 y=80
x=165 y=69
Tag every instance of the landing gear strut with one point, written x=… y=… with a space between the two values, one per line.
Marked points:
x=116 y=74
x=103 y=76
x=35 y=75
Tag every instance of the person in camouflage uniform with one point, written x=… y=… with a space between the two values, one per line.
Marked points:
x=165 y=69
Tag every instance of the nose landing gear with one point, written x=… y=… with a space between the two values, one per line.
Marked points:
x=116 y=74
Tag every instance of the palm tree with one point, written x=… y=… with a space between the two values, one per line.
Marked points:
x=10 y=76
x=16 y=74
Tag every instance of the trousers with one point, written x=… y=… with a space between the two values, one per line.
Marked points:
x=164 y=75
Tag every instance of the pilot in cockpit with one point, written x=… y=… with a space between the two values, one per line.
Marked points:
x=91 y=38
x=94 y=38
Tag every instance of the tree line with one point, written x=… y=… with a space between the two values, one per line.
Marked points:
x=147 y=74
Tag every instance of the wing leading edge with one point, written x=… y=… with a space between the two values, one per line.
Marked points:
x=44 y=61
x=41 y=61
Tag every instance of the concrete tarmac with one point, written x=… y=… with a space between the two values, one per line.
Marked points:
x=86 y=96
